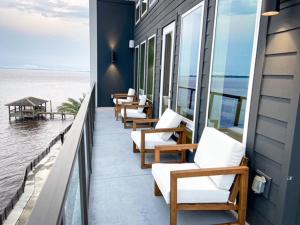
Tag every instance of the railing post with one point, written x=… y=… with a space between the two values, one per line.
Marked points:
x=82 y=181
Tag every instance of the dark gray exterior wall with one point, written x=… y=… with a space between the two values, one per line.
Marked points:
x=115 y=29
x=273 y=149
x=273 y=133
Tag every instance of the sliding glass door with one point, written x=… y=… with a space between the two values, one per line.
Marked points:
x=166 y=67
x=136 y=67
x=232 y=66
x=142 y=66
x=150 y=67
x=188 y=68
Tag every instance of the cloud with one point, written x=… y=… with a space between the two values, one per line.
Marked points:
x=51 y=8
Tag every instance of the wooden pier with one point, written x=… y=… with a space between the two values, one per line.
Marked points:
x=32 y=108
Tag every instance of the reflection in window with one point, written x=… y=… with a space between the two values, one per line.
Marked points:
x=150 y=67
x=136 y=66
x=144 y=6
x=142 y=68
x=189 y=59
x=232 y=56
x=137 y=11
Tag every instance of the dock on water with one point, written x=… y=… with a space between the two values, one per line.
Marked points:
x=31 y=108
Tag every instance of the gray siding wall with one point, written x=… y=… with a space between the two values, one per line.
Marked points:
x=276 y=117
x=274 y=103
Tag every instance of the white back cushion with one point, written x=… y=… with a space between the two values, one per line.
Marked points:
x=143 y=99
x=217 y=149
x=169 y=119
x=130 y=92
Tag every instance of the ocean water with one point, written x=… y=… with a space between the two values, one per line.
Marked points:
x=21 y=142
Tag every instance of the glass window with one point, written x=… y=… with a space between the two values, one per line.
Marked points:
x=150 y=67
x=231 y=64
x=142 y=68
x=144 y=6
x=188 y=69
x=136 y=66
x=137 y=11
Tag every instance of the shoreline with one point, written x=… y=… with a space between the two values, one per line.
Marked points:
x=31 y=166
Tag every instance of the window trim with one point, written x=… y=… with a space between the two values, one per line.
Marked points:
x=251 y=73
x=136 y=79
x=190 y=123
x=143 y=14
x=154 y=64
x=145 y=58
x=137 y=4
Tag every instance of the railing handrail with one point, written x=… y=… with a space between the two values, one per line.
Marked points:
x=49 y=205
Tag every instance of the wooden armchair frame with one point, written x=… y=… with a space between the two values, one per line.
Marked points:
x=238 y=193
x=181 y=130
x=147 y=109
x=118 y=105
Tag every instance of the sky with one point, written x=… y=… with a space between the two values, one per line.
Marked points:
x=44 y=34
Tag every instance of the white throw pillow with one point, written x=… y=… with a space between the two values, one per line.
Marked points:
x=169 y=119
x=131 y=92
x=143 y=99
x=216 y=150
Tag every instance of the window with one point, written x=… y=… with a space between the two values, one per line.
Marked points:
x=136 y=66
x=188 y=68
x=142 y=68
x=151 y=2
x=151 y=66
x=137 y=11
x=144 y=7
x=232 y=67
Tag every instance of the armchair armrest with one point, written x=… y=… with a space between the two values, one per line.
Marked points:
x=160 y=130
x=139 y=121
x=179 y=147
x=209 y=172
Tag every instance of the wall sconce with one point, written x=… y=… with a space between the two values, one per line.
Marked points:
x=113 y=57
x=270 y=7
x=131 y=43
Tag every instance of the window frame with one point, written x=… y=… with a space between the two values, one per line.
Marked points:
x=190 y=123
x=141 y=8
x=154 y=64
x=137 y=4
x=136 y=72
x=145 y=62
x=251 y=73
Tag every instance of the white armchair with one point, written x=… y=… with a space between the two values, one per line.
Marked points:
x=210 y=183
x=146 y=140
x=140 y=110
x=119 y=99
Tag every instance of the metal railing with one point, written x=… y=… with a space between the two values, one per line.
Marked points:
x=64 y=197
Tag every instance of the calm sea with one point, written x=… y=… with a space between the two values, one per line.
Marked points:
x=20 y=142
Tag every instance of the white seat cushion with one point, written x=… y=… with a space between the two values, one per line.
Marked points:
x=190 y=190
x=169 y=119
x=131 y=92
x=142 y=101
x=133 y=113
x=120 y=101
x=151 y=140
x=217 y=149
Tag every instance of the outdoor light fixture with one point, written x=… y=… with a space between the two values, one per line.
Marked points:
x=113 y=57
x=270 y=7
x=131 y=43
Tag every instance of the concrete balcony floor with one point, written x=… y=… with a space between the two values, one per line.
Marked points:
x=121 y=192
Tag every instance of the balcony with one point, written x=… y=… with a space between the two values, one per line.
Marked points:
x=97 y=180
